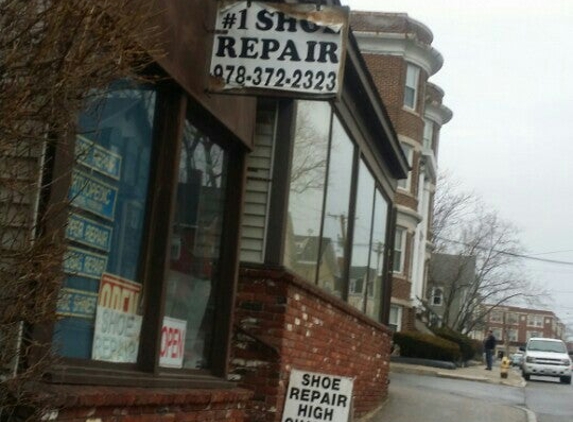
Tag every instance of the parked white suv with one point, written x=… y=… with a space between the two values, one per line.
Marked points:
x=546 y=357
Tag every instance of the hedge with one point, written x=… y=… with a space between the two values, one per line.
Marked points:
x=426 y=346
x=467 y=345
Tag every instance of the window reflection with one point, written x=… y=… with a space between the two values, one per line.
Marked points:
x=377 y=249
x=307 y=187
x=334 y=237
x=195 y=250
x=317 y=240
x=361 y=269
x=99 y=315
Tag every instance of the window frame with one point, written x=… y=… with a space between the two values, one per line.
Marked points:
x=172 y=108
x=437 y=293
x=411 y=82
x=406 y=184
x=428 y=136
x=398 y=323
x=402 y=233
x=345 y=118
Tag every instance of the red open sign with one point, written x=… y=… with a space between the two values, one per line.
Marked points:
x=172 y=342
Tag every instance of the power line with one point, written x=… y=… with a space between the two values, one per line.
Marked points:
x=516 y=255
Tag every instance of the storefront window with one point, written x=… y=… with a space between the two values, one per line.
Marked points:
x=362 y=236
x=99 y=309
x=307 y=183
x=334 y=236
x=317 y=243
x=377 y=249
x=195 y=251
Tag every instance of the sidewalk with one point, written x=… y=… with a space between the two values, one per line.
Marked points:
x=471 y=373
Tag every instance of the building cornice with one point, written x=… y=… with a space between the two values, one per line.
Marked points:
x=438 y=113
x=408 y=217
x=403 y=45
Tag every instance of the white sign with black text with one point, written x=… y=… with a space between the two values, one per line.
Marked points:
x=314 y=397
x=277 y=46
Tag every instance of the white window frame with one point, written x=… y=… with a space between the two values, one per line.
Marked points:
x=435 y=296
x=411 y=83
x=428 y=134
x=406 y=184
x=398 y=313
x=400 y=234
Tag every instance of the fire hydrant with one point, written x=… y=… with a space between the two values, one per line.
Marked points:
x=504 y=366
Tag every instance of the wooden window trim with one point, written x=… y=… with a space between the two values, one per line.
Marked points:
x=172 y=108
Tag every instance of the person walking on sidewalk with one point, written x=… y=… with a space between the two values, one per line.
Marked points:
x=489 y=346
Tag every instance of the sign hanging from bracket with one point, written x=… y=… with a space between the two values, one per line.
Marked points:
x=269 y=48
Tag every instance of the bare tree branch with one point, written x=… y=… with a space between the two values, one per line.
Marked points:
x=54 y=56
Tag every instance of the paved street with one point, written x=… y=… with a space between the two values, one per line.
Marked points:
x=416 y=398
x=421 y=393
x=550 y=400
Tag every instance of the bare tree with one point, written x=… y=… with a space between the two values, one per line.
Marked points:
x=55 y=55
x=478 y=237
x=451 y=209
x=309 y=159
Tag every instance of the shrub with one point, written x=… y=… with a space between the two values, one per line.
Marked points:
x=418 y=345
x=466 y=344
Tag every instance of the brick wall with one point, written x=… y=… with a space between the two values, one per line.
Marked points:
x=130 y=404
x=282 y=322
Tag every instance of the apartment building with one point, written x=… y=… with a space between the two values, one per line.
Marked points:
x=399 y=53
x=513 y=326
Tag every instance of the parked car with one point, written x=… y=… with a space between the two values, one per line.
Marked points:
x=546 y=357
x=516 y=359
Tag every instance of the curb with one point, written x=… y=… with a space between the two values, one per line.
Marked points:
x=462 y=377
x=417 y=370
x=531 y=417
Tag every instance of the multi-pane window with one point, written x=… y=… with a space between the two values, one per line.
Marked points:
x=535 y=320
x=512 y=334
x=106 y=310
x=319 y=212
x=399 y=245
x=411 y=86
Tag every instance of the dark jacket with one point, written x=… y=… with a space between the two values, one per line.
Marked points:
x=489 y=342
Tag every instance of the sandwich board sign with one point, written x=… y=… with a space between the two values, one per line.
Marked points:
x=315 y=397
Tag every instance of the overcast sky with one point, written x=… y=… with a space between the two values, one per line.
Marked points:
x=507 y=78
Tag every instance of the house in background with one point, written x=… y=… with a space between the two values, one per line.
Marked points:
x=399 y=54
x=449 y=281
